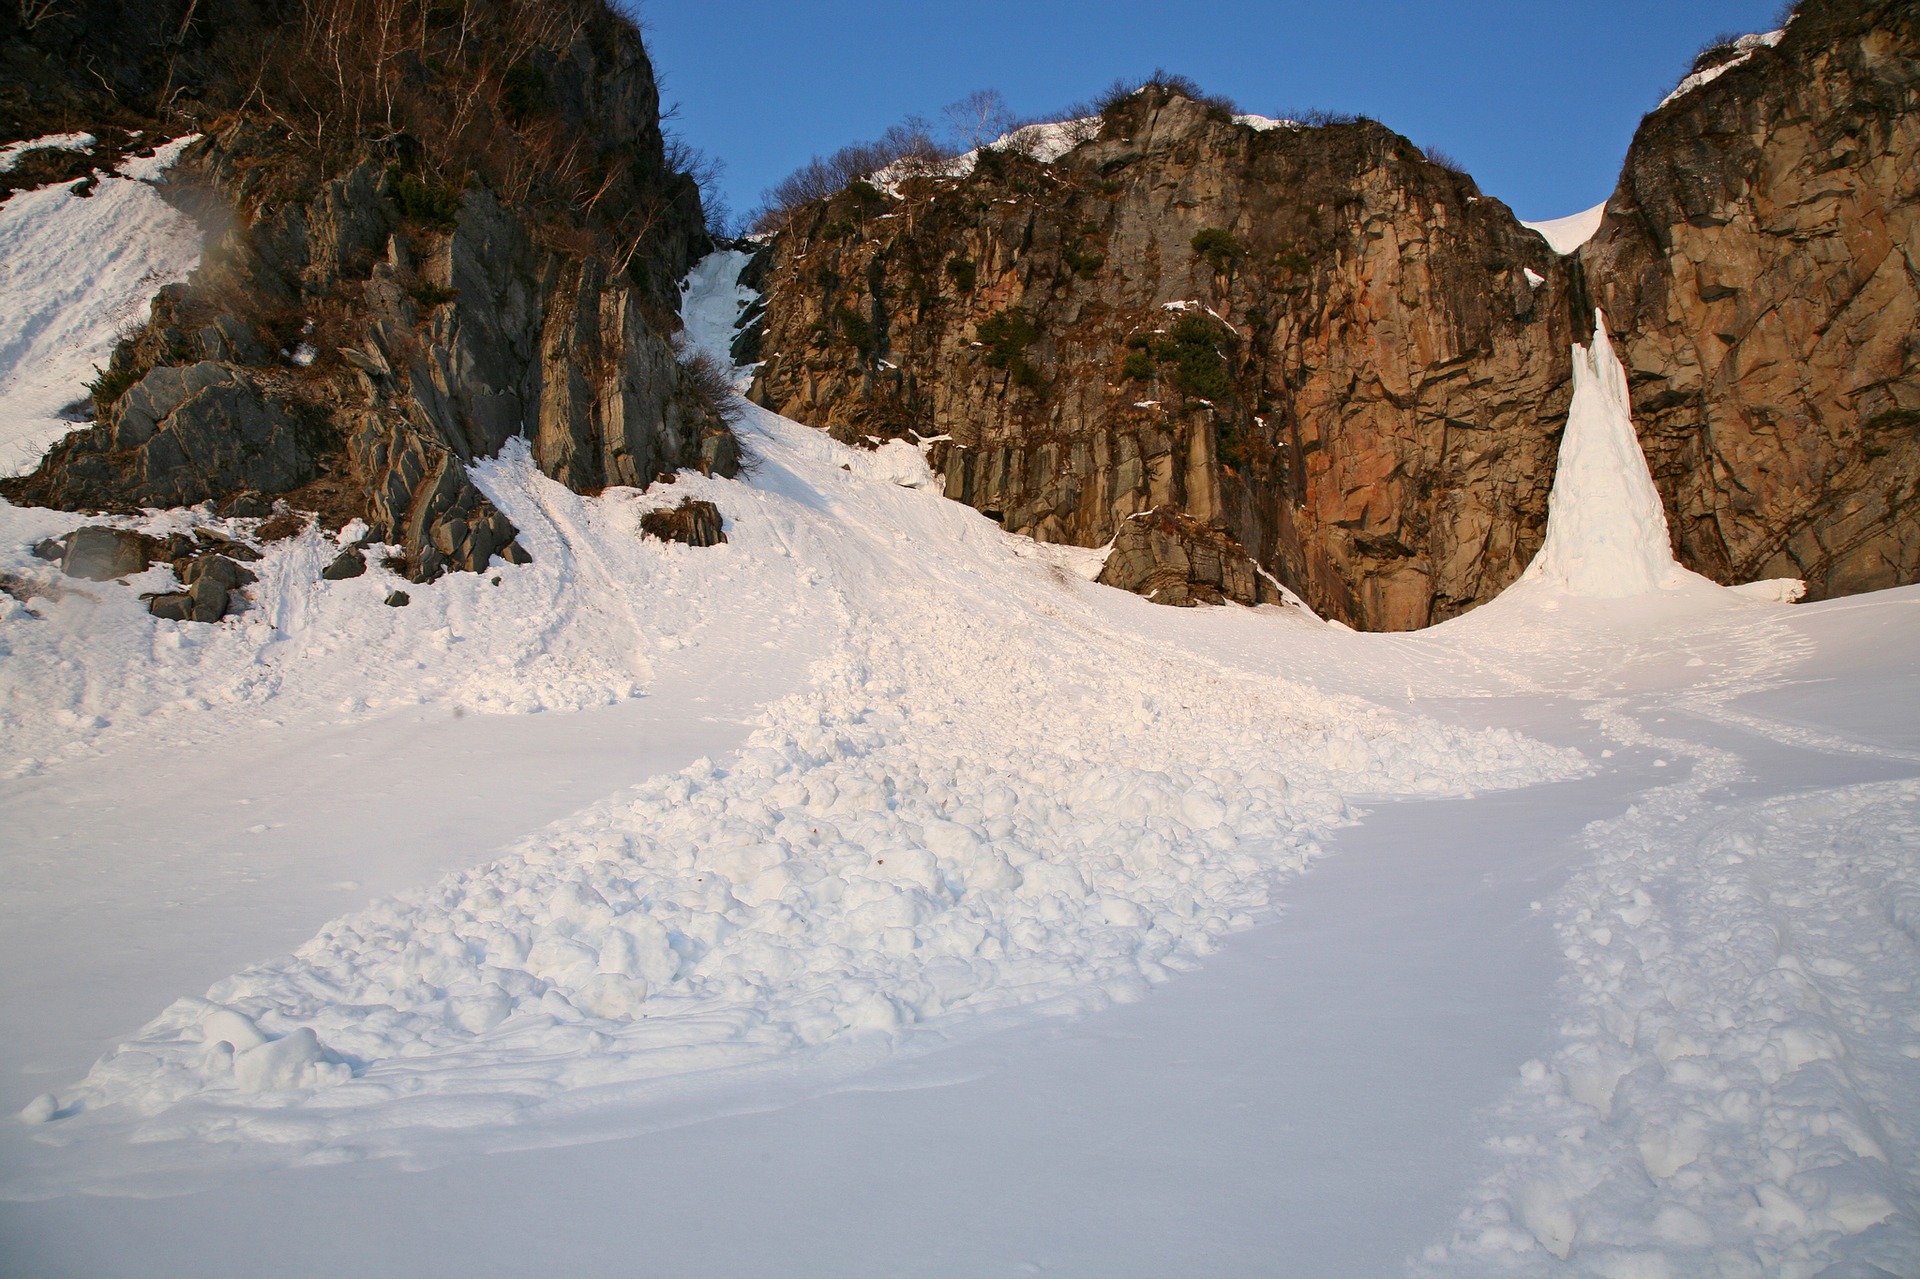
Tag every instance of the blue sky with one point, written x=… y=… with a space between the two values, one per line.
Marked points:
x=1538 y=100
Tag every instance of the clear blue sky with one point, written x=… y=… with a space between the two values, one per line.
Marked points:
x=1537 y=98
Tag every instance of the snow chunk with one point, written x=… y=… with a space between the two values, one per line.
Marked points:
x=296 y=1060
x=1606 y=528
x=1265 y=124
x=1564 y=235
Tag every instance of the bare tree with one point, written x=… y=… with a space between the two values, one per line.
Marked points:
x=979 y=118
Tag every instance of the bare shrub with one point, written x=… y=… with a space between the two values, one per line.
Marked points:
x=979 y=118
x=909 y=141
x=1435 y=155
x=713 y=387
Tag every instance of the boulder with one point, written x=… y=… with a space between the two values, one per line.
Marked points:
x=100 y=554
x=692 y=523
x=1317 y=340
x=351 y=562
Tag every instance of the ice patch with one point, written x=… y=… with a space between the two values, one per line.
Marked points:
x=1606 y=528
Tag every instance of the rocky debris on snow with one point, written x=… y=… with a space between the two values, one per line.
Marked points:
x=1757 y=263
x=693 y=522
x=1314 y=339
x=208 y=566
x=398 y=599
x=1172 y=558
x=213 y=582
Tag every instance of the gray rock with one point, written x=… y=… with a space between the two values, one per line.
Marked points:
x=348 y=563
x=218 y=568
x=398 y=599
x=175 y=606
x=101 y=554
x=50 y=549
x=210 y=598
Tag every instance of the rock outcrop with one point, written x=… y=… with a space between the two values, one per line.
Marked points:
x=378 y=308
x=1760 y=266
x=1317 y=342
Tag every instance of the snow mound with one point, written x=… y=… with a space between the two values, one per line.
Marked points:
x=74 y=273
x=1606 y=528
x=1565 y=235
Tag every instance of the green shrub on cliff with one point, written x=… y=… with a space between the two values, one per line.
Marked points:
x=1218 y=247
x=1007 y=335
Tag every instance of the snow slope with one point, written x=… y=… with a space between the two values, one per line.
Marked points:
x=1654 y=1019
x=74 y=272
x=914 y=840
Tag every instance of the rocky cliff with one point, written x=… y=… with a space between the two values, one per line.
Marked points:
x=474 y=236
x=1760 y=266
x=1314 y=341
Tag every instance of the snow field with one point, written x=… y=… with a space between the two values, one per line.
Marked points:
x=923 y=833
x=988 y=798
x=74 y=273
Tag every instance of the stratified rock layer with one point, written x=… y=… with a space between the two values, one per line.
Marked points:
x=1316 y=341
x=1759 y=265
x=356 y=336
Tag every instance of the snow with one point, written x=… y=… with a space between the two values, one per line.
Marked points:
x=1748 y=45
x=11 y=153
x=1045 y=142
x=1265 y=124
x=74 y=273
x=1565 y=235
x=874 y=894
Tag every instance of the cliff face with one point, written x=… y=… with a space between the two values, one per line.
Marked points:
x=1312 y=340
x=1759 y=264
x=380 y=307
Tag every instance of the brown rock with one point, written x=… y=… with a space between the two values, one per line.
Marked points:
x=692 y=523
x=1363 y=389
x=1172 y=558
x=1760 y=266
